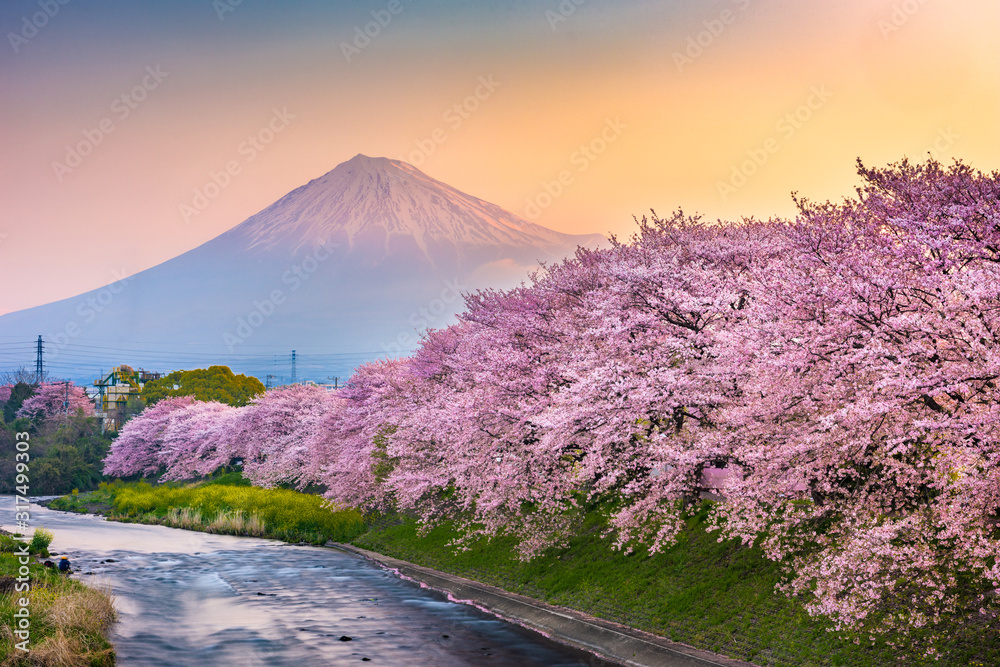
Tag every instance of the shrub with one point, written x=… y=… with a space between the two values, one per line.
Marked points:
x=40 y=541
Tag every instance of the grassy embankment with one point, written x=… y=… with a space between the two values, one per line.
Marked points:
x=226 y=505
x=69 y=621
x=712 y=595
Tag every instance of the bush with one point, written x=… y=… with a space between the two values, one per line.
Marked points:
x=9 y=543
x=40 y=541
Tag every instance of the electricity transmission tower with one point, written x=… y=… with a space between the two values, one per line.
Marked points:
x=38 y=361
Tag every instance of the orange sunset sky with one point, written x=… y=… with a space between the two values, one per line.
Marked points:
x=722 y=107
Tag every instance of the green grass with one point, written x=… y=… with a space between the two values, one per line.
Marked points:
x=226 y=504
x=98 y=501
x=69 y=621
x=37 y=546
x=712 y=595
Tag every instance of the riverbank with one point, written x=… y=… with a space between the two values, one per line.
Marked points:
x=611 y=643
x=718 y=597
x=69 y=622
x=226 y=505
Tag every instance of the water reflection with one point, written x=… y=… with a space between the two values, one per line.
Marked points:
x=189 y=598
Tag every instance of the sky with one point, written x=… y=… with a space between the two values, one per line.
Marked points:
x=131 y=132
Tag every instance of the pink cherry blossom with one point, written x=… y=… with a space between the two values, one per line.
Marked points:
x=56 y=398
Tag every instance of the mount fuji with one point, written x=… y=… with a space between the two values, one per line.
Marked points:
x=347 y=268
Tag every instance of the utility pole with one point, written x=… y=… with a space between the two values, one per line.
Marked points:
x=293 y=367
x=102 y=415
x=38 y=361
x=66 y=397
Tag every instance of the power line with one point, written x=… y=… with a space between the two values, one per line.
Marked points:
x=81 y=360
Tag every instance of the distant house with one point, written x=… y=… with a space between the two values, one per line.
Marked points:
x=119 y=394
x=322 y=385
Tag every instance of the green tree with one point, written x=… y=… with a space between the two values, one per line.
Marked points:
x=19 y=393
x=216 y=383
x=133 y=406
x=66 y=453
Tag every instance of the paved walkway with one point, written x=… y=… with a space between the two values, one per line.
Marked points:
x=609 y=641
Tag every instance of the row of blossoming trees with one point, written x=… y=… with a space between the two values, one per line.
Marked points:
x=842 y=367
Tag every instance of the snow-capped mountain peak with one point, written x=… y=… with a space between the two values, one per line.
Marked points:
x=367 y=198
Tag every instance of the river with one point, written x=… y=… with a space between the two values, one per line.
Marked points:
x=189 y=598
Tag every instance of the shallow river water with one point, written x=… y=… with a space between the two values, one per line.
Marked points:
x=188 y=598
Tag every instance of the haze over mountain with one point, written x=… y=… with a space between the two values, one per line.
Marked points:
x=348 y=267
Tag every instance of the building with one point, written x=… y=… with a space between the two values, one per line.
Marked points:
x=323 y=385
x=119 y=395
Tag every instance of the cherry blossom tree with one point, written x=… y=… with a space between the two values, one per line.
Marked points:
x=271 y=434
x=349 y=449
x=52 y=399
x=196 y=439
x=873 y=389
x=138 y=448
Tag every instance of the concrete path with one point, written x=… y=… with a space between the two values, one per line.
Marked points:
x=612 y=642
